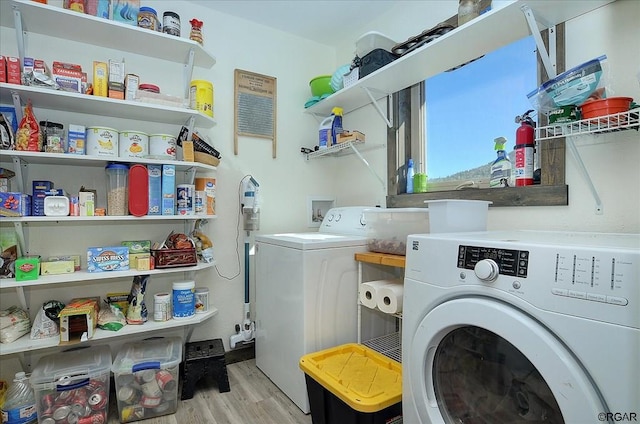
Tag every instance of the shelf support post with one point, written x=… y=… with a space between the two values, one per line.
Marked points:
x=585 y=174
x=549 y=66
x=188 y=72
x=21 y=174
x=17 y=20
x=387 y=119
x=367 y=165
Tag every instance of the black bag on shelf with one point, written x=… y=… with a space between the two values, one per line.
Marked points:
x=375 y=60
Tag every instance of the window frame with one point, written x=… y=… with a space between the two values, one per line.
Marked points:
x=403 y=142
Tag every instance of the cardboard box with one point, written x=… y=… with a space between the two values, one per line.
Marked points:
x=76 y=139
x=138 y=246
x=168 y=189
x=57 y=267
x=126 y=11
x=13 y=70
x=208 y=185
x=3 y=69
x=74 y=258
x=188 y=152
x=131 y=83
x=69 y=76
x=87 y=202
x=27 y=268
x=345 y=136
x=15 y=204
x=78 y=320
x=107 y=259
x=155 y=189
x=100 y=78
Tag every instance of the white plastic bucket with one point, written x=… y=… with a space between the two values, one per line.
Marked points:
x=457 y=215
x=162 y=146
x=133 y=144
x=102 y=141
x=184 y=301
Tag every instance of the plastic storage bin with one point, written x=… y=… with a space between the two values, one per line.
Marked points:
x=372 y=40
x=387 y=229
x=73 y=385
x=352 y=384
x=457 y=215
x=146 y=378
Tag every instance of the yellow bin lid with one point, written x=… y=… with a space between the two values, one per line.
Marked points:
x=364 y=379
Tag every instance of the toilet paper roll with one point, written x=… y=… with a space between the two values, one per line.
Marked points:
x=367 y=292
x=389 y=298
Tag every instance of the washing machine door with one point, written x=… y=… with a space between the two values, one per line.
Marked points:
x=477 y=360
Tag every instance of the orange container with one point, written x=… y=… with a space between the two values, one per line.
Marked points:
x=604 y=107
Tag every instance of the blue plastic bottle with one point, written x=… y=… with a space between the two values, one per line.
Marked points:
x=330 y=127
x=410 y=173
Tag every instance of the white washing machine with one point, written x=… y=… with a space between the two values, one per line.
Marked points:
x=306 y=297
x=521 y=327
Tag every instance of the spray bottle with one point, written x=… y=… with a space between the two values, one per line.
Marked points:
x=524 y=149
x=501 y=168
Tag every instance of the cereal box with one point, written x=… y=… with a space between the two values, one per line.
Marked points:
x=155 y=189
x=168 y=189
x=111 y=258
x=15 y=204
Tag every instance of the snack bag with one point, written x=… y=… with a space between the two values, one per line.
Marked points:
x=28 y=136
x=137 y=311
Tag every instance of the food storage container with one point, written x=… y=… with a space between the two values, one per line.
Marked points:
x=457 y=215
x=387 y=229
x=146 y=378
x=73 y=385
x=117 y=189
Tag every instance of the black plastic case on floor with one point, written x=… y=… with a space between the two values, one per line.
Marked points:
x=326 y=408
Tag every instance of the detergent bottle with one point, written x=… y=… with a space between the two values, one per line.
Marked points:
x=501 y=168
x=329 y=129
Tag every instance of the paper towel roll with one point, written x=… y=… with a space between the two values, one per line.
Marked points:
x=367 y=293
x=389 y=298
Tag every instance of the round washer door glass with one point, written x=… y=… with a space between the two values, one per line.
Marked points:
x=479 y=377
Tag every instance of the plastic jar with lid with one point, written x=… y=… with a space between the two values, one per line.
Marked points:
x=117 y=189
x=171 y=23
x=53 y=137
x=148 y=18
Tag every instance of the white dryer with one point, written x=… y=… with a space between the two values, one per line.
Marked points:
x=306 y=297
x=521 y=327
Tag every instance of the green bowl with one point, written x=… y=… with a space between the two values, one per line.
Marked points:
x=321 y=85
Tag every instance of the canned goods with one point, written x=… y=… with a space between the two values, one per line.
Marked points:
x=98 y=400
x=95 y=418
x=171 y=23
x=48 y=401
x=48 y=420
x=165 y=381
x=162 y=146
x=127 y=394
x=162 y=307
x=102 y=141
x=184 y=197
x=72 y=418
x=151 y=389
x=198 y=203
x=150 y=401
x=145 y=376
x=133 y=144
x=61 y=413
x=131 y=413
x=202 y=300
x=163 y=407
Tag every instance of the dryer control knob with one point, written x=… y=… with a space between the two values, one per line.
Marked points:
x=487 y=270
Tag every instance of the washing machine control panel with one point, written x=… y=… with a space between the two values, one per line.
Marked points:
x=509 y=262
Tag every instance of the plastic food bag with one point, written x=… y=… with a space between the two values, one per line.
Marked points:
x=111 y=319
x=28 y=136
x=137 y=312
x=43 y=326
x=14 y=323
x=587 y=81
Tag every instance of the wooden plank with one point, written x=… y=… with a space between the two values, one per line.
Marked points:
x=381 y=259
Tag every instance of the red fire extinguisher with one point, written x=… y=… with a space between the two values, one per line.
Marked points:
x=524 y=149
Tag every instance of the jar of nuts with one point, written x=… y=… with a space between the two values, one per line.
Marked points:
x=117 y=189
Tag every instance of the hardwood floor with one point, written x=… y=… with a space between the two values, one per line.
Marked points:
x=253 y=399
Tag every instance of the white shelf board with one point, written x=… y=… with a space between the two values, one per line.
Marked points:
x=25 y=344
x=45 y=280
x=66 y=24
x=104 y=219
x=95 y=105
x=482 y=35
x=40 y=158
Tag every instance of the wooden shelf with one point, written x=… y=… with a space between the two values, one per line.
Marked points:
x=25 y=344
x=381 y=259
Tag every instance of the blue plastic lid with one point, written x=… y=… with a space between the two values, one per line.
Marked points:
x=117 y=166
x=147 y=9
x=410 y=162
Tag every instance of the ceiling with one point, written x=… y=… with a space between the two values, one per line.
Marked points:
x=324 y=21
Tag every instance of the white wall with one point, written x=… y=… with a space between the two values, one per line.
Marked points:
x=288 y=180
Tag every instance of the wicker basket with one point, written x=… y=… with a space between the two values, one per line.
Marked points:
x=351 y=78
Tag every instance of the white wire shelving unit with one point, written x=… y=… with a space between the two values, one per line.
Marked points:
x=599 y=125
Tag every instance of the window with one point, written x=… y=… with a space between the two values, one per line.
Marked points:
x=405 y=141
x=466 y=109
